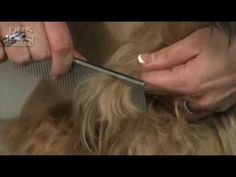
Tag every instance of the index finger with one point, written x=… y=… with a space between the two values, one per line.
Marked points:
x=182 y=79
x=61 y=46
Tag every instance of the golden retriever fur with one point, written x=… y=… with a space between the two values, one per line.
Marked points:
x=98 y=117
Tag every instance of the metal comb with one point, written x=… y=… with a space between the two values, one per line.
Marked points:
x=81 y=70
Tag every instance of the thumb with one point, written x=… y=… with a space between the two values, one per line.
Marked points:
x=176 y=54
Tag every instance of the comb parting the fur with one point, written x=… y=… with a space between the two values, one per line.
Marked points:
x=81 y=70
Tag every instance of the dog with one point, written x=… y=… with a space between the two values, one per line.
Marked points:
x=99 y=118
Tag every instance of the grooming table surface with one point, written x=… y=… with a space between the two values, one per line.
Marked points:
x=2 y=123
x=15 y=87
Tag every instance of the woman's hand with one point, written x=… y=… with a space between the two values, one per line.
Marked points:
x=51 y=40
x=200 y=68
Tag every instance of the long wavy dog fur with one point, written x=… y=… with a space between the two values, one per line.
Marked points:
x=99 y=118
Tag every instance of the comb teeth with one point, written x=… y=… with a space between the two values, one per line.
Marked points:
x=138 y=96
x=80 y=71
x=41 y=69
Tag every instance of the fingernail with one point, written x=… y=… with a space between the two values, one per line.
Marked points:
x=145 y=58
x=140 y=59
x=78 y=55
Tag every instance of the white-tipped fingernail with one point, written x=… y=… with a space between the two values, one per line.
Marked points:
x=140 y=59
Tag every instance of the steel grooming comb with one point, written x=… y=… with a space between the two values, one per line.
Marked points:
x=81 y=70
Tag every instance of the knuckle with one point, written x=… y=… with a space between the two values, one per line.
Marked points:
x=62 y=47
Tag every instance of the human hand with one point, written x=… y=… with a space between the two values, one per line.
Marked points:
x=51 y=40
x=200 y=68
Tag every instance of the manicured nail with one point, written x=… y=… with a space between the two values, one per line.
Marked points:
x=140 y=59
x=78 y=55
x=145 y=58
